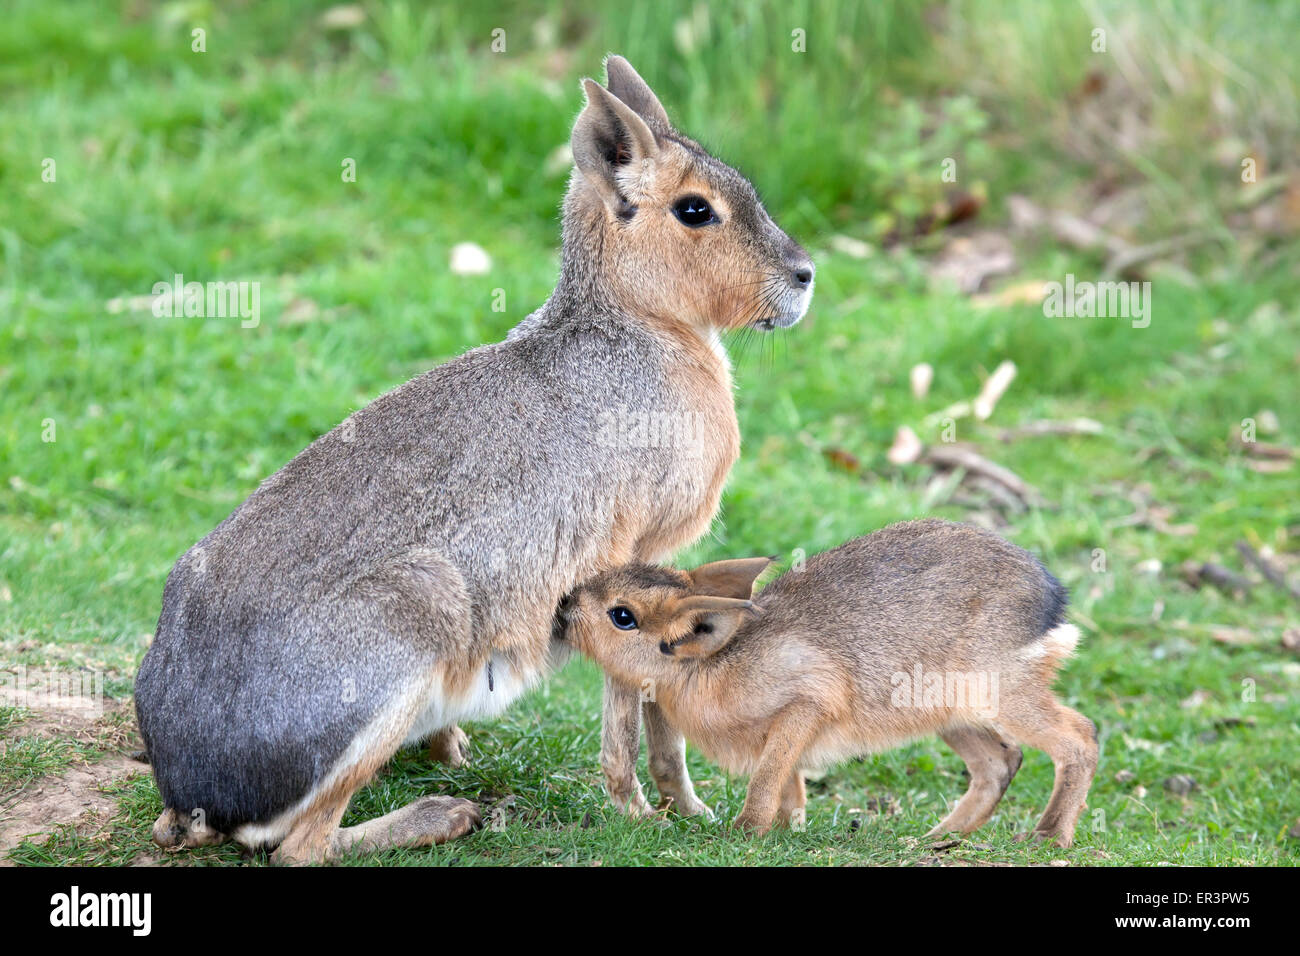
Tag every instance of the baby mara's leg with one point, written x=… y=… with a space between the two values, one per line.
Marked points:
x=793 y=800
x=1070 y=739
x=790 y=734
x=667 y=749
x=992 y=761
x=621 y=743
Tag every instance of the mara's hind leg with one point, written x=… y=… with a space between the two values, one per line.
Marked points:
x=174 y=830
x=1070 y=739
x=314 y=835
x=420 y=595
x=992 y=761
x=794 y=798
x=426 y=822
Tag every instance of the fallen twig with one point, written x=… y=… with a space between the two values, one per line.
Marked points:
x=1126 y=260
x=1229 y=582
x=957 y=456
x=994 y=388
x=1271 y=572
x=1071 y=426
x=1080 y=233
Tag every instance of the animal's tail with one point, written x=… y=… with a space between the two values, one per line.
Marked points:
x=1056 y=644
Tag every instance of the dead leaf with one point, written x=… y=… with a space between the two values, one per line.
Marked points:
x=845 y=461
x=1029 y=292
x=853 y=248
x=1233 y=636
x=343 y=17
x=468 y=258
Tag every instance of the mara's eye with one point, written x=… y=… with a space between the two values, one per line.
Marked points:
x=694 y=212
x=622 y=618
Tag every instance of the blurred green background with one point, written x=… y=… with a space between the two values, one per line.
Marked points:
x=226 y=165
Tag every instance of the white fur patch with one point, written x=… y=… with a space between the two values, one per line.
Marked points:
x=719 y=349
x=479 y=700
x=1060 y=641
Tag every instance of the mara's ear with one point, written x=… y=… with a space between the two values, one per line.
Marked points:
x=711 y=622
x=626 y=83
x=732 y=579
x=610 y=135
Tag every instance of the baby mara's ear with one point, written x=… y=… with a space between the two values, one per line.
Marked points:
x=608 y=136
x=708 y=623
x=626 y=83
x=733 y=578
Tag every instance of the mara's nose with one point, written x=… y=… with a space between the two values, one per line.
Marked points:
x=801 y=276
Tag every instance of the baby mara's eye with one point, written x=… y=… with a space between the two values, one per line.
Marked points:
x=693 y=211
x=622 y=618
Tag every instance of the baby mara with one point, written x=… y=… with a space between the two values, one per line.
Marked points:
x=852 y=654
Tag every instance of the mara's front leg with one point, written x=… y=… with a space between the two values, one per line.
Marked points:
x=620 y=743
x=791 y=733
x=667 y=749
x=450 y=746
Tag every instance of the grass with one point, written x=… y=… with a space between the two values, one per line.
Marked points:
x=226 y=165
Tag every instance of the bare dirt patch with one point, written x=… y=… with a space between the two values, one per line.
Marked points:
x=75 y=795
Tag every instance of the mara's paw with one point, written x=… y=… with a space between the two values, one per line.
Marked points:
x=638 y=808
x=450 y=746
x=750 y=825
x=1054 y=838
x=690 y=807
x=436 y=820
x=175 y=830
x=626 y=794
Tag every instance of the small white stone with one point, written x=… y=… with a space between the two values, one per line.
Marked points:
x=469 y=259
x=922 y=376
